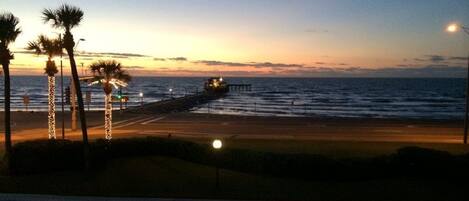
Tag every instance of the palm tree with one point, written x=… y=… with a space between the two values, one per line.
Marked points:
x=51 y=48
x=67 y=17
x=9 y=31
x=108 y=74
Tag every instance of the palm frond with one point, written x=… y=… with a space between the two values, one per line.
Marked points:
x=50 y=15
x=109 y=73
x=34 y=45
x=9 y=29
x=45 y=45
x=66 y=16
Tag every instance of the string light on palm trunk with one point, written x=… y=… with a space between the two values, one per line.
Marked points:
x=108 y=117
x=51 y=116
x=109 y=74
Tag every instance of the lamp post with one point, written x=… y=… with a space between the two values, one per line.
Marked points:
x=171 y=93
x=452 y=28
x=73 y=102
x=120 y=100
x=62 y=102
x=82 y=69
x=62 y=88
x=141 y=99
x=217 y=145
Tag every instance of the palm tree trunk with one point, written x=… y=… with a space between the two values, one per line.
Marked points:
x=108 y=116
x=51 y=107
x=73 y=106
x=6 y=72
x=69 y=45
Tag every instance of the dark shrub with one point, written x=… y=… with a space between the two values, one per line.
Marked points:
x=44 y=156
x=415 y=161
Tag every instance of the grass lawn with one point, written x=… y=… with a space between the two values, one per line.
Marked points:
x=172 y=178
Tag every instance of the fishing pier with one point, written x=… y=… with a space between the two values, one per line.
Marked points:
x=239 y=87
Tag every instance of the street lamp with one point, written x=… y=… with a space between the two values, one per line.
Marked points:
x=81 y=39
x=452 y=28
x=217 y=145
x=62 y=102
x=73 y=94
x=141 y=99
x=171 y=92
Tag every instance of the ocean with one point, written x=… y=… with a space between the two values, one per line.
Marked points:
x=419 y=98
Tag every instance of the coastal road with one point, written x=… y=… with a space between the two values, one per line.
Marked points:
x=189 y=125
x=235 y=127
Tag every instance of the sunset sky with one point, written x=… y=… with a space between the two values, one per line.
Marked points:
x=311 y=38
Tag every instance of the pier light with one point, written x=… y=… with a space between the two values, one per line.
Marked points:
x=140 y=94
x=170 y=90
x=217 y=144
x=221 y=79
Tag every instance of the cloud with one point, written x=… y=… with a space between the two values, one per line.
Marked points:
x=436 y=58
x=316 y=31
x=110 y=54
x=178 y=59
x=159 y=59
x=220 y=63
x=437 y=71
x=249 y=64
x=134 y=67
x=330 y=64
x=275 y=65
x=457 y=58
x=93 y=54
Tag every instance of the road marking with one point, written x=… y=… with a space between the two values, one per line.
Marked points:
x=115 y=123
x=133 y=122
x=153 y=120
x=123 y=121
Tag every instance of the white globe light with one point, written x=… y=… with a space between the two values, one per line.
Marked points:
x=217 y=144
x=140 y=94
x=452 y=28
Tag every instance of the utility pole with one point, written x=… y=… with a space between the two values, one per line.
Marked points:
x=466 y=115
x=62 y=88
x=454 y=27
